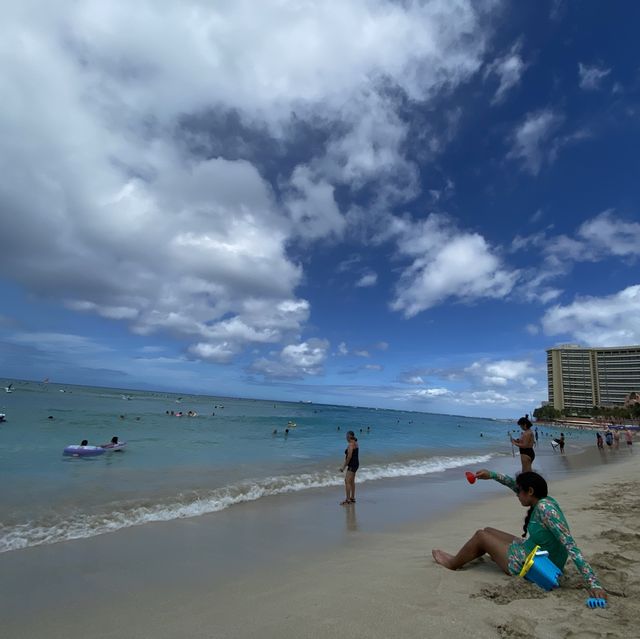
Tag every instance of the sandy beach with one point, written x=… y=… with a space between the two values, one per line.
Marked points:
x=175 y=579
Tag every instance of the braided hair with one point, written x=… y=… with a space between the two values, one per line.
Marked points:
x=524 y=481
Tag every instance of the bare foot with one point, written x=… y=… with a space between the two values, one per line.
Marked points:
x=443 y=558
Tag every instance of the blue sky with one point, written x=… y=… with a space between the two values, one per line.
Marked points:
x=389 y=204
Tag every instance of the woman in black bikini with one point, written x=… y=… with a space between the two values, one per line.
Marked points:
x=525 y=443
x=351 y=463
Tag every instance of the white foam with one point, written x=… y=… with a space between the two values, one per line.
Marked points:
x=88 y=525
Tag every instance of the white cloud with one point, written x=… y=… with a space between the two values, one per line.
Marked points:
x=590 y=78
x=134 y=134
x=446 y=264
x=367 y=280
x=606 y=235
x=598 y=238
x=342 y=348
x=413 y=379
x=502 y=372
x=220 y=352
x=613 y=320
x=509 y=70
x=430 y=393
x=373 y=367
x=381 y=346
x=532 y=140
x=362 y=353
x=295 y=360
x=483 y=398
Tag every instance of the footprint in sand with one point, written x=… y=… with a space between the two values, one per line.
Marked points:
x=626 y=540
x=610 y=561
x=516 y=629
x=503 y=595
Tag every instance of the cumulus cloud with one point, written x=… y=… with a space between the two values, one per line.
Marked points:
x=499 y=382
x=612 y=320
x=531 y=141
x=503 y=372
x=446 y=264
x=489 y=398
x=590 y=78
x=118 y=195
x=508 y=69
x=294 y=361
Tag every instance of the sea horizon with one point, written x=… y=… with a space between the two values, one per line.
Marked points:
x=7 y=380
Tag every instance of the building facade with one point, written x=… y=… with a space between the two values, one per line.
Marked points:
x=582 y=378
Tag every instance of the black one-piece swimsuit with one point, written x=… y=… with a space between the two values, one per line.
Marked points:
x=354 y=462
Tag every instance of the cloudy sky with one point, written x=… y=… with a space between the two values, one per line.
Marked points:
x=383 y=203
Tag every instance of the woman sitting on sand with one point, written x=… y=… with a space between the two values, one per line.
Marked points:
x=525 y=443
x=544 y=526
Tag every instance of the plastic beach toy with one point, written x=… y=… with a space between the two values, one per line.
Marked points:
x=471 y=477
x=539 y=569
x=596 y=602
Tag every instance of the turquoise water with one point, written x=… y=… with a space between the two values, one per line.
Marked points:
x=187 y=466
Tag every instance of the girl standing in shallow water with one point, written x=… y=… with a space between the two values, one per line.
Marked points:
x=525 y=443
x=351 y=463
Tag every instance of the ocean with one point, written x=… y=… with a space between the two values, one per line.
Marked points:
x=176 y=467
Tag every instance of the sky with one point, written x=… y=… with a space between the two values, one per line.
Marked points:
x=396 y=204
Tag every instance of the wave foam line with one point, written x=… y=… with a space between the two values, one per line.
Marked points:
x=89 y=525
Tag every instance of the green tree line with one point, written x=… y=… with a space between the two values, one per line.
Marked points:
x=544 y=413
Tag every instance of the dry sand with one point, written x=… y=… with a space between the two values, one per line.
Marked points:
x=373 y=585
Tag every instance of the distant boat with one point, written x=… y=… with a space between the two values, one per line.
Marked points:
x=126 y=397
x=8 y=389
x=3 y=417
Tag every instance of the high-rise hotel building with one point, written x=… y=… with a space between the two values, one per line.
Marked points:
x=587 y=377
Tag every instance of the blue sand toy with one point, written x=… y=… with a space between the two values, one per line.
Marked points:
x=539 y=569
x=596 y=602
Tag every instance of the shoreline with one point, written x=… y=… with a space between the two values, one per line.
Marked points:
x=168 y=580
x=578 y=424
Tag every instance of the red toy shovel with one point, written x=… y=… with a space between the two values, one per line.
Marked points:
x=471 y=477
